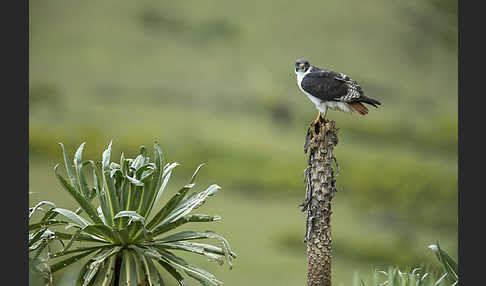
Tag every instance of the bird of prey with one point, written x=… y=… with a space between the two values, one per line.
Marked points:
x=331 y=90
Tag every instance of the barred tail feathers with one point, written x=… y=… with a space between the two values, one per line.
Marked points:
x=369 y=101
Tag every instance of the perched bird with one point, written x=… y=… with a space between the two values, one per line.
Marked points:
x=329 y=89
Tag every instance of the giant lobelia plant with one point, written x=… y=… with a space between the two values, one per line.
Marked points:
x=124 y=240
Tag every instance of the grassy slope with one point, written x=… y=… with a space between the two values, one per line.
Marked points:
x=267 y=235
x=213 y=83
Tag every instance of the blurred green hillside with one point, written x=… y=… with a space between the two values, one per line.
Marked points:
x=213 y=82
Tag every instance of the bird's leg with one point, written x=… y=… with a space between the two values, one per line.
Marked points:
x=324 y=117
x=317 y=119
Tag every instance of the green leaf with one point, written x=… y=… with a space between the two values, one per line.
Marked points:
x=77 y=250
x=193 y=178
x=106 y=274
x=449 y=265
x=145 y=169
x=72 y=217
x=103 y=231
x=38 y=207
x=101 y=215
x=49 y=215
x=98 y=184
x=133 y=215
x=81 y=237
x=183 y=220
x=199 y=274
x=165 y=178
x=87 y=277
x=50 y=222
x=91 y=195
x=172 y=271
x=202 y=276
x=46 y=219
x=190 y=235
x=82 y=273
x=199 y=248
x=68 y=261
x=169 y=206
x=441 y=279
x=36 y=236
x=137 y=162
x=148 y=198
x=151 y=274
x=124 y=186
x=138 y=268
x=97 y=262
x=72 y=240
x=78 y=165
x=190 y=203
x=42 y=244
x=209 y=251
x=186 y=235
x=153 y=254
x=109 y=187
x=69 y=170
x=146 y=251
x=123 y=164
x=137 y=194
x=128 y=273
x=80 y=199
x=147 y=174
x=135 y=181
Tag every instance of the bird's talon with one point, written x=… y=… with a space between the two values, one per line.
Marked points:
x=322 y=119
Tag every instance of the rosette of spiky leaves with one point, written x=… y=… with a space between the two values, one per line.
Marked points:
x=124 y=240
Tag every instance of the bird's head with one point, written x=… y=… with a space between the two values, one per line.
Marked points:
x=301 y=66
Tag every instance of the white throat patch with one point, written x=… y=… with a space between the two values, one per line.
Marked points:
x=300 y=75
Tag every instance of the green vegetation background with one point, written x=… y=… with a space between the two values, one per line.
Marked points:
x=213 y=82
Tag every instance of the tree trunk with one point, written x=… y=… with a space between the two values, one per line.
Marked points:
x=321 y=187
